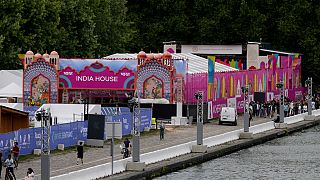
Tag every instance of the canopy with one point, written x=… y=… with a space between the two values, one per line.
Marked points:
x=11 y=83
x=196 y=64
x=11 y=90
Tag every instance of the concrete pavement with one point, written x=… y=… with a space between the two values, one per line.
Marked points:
x=64 y=163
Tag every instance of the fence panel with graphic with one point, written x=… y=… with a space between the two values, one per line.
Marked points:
x=30 y=139
x=125 y=116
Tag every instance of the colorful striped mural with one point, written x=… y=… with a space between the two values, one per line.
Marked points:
x=261 y=80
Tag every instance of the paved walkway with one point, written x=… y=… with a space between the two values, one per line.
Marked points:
x=63 y=163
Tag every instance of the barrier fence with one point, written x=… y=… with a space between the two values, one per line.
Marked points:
x=68 y=133
x=171 y=152
x=30 y=139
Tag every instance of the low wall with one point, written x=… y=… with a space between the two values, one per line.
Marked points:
x=178 y=150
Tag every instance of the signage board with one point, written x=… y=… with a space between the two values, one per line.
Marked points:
x=212 y=49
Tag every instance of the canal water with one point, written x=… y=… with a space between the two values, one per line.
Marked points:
x=291 y=157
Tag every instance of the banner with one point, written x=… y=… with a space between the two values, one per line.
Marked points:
x=125 y=116
x=30 y=139
x=102 y=74
x=211 y=67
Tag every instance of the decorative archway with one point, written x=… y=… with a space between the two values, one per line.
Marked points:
x=156 y=70
x=40 y=74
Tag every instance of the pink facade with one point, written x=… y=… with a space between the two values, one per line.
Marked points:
x=227 y=85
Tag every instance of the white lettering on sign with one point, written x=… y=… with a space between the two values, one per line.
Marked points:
x=125 y=74
x=68 y=73
x=97 y=78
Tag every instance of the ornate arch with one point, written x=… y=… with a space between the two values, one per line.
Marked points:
x=40 y=68
x=154 y=69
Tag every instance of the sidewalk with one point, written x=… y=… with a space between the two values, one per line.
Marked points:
x=64 y=163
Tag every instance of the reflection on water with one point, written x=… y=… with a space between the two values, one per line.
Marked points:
x=292 y=157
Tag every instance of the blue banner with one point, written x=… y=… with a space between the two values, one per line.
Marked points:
x=68 y=134
x=30 y=139
x=125 y=116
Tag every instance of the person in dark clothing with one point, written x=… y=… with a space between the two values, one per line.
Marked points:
x=80 y=152
x=162 y=131
x=127 y=146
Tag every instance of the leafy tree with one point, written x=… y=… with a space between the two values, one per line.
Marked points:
x=10 y=23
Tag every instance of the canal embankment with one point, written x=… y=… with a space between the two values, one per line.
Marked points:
x=191 y=159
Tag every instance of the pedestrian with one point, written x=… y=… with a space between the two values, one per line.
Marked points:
x=80 y=152
x=127 y=148
x=30 y=174
x=15 y=150
x=9 y=164
x=0 y=163
x=162 y=128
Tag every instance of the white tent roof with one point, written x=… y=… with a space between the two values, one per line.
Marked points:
x=196 y=64
x=11 y=90
x=11 y=83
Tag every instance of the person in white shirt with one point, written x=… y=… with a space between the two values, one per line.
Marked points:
x=10 y=165
x=291 y=109
x=313 y=105
x=30 y=174
x=305 y=108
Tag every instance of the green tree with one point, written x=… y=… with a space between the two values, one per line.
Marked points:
x=10 y=23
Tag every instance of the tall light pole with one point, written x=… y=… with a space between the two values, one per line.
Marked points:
x=246 y=122
x=199 y=148
x=45 y=117
x=199 y=98
x=281 y=88
x=281 y=124
x=308 y=83
x=134 y=106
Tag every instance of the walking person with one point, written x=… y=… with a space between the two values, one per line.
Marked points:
x=16 y=151
x=80 y=152
x=162 y=128
x=127 y=148
x=9 y=164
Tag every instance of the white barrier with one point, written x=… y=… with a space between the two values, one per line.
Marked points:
x=167 y=153
x=295 y=118
x=262 y=127
x=316 y=112
x=171 y=152
x=222 y=138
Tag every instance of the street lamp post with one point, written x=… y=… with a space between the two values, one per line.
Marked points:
x=308 y=83
x=281 y=87
x=281 y=124
x=199 y=148
x=44 y=116
x=134 y=106
x=199 y=98
x=246 y=122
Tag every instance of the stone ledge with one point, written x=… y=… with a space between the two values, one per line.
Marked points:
x=281 y=125
x=246 y=135
x=135 y=166
x=199 y=148
x=309 y=117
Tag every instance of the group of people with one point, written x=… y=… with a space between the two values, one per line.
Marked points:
x=12 y=163
x=272 y=108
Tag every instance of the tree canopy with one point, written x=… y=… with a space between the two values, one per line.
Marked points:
x=95 y=28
